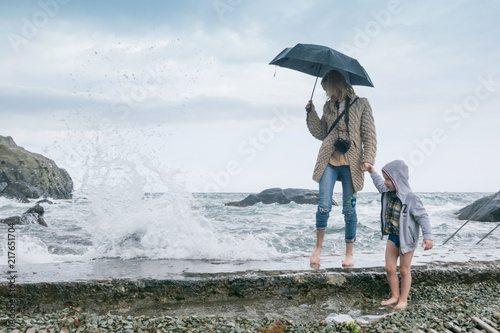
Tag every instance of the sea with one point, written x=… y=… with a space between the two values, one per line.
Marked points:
x=199 y=227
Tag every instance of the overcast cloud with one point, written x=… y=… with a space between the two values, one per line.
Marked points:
x=186 y=86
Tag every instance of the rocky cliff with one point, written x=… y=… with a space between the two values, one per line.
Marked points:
x=25 y=175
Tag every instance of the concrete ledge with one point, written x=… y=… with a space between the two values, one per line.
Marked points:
x=146 y=295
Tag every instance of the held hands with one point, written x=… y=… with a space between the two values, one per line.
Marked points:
x=368 y=167
x=427 y=244
x=310 y=106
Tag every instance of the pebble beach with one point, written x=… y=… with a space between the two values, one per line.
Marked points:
x=431 y=308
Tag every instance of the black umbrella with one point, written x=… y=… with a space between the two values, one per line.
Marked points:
x=317 y=60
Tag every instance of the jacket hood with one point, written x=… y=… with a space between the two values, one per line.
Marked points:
x=398 y=172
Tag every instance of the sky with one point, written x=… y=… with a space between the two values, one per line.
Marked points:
x=181 y=92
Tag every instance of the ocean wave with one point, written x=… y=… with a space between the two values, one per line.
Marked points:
x=180 y=225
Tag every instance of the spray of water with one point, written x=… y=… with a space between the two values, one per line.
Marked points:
x=127 y=218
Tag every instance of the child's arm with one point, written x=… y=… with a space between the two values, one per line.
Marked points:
x=427 y=244
x=378 y=181
x=369 y=168
x=420 y=215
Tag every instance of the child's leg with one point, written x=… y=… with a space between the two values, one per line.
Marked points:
x=405 y=272
x=391 y=265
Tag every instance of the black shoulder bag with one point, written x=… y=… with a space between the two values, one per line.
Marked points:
x=341 y=145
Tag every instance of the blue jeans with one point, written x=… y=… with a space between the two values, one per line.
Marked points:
x=326 y=186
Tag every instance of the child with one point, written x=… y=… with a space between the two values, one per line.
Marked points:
x=402 y=214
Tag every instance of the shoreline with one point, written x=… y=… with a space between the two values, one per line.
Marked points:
x=298 y=285
x=252 y=298
x=315 y=301
x=178 y=269
x=242 y=296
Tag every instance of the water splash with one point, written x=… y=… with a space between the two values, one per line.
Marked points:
x=125 y=223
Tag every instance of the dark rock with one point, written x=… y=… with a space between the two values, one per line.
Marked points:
x=273 y=195
x=36 y=209
x=277 y=195
x=302 y=196
x=25 y=175
x=486 y=209
x=248 y=201
x=21 y=191
x=45 y=201
x=41 y=221
x=33 y=215
x=25 y=219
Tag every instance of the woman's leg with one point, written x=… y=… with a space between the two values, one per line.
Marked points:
x=391 y=267
x=326 y=185
x=316 y=255
x=349 y=211
x=405 y=272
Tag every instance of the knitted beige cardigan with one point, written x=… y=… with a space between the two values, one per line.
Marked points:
x=362 y=134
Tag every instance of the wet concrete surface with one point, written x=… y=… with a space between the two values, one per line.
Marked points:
x=290 y=288
x=101 y=269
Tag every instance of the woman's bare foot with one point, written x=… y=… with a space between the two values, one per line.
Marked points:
x=392 y=300
x=401 y=306
x=315 y=266
x=316 y=256
x=348 y=261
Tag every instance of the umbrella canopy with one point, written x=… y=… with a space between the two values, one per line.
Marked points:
x=317 y=60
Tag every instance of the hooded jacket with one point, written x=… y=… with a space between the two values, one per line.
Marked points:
x=413 y=214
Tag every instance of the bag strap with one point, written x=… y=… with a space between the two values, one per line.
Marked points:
x=346 y=110
x=335 y=122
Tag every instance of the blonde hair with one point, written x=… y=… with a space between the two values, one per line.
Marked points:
x=334 y=79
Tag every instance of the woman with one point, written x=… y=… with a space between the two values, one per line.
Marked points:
x=356 y=126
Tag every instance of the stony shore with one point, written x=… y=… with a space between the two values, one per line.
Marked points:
x=434 y=307
x=443 y=295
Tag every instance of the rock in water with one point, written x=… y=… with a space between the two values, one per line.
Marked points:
x=251 y=200
x=302 y=196
x=33 y=215
x=273 y=195
x=486 y=209
x=25 y=219
x=25 y=175
x=36 y=209
x=277 y=195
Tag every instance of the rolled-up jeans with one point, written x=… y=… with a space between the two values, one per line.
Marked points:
x=326 y=185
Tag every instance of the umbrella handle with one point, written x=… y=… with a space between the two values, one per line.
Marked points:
x=309 y=108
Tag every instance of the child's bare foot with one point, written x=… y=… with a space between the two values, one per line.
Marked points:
x=401 y=306
x=316 y=256
x=392 y=300
x=348 y=261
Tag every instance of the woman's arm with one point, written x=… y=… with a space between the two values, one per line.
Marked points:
x=316 y=126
